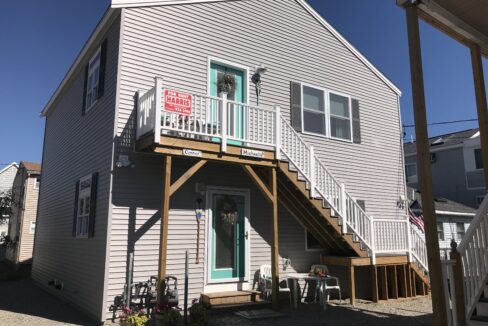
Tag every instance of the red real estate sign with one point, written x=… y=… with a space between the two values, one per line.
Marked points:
x=177 y=102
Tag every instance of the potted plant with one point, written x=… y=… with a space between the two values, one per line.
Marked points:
x=133 y=316
x=198 y=313
x=167 y=316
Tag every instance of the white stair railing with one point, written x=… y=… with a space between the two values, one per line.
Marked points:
x=219 y=119
x=473 y=250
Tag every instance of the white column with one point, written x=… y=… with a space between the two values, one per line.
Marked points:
x=409 y=240
x=223 y=145
x=373 y=242
x=158 y=107
x=278 y=133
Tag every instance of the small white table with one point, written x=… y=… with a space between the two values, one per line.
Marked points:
x=295 y=277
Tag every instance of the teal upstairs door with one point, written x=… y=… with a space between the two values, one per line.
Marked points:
x=235 y=116
x=228 y=238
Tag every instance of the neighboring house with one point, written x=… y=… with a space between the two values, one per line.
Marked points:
x=453 y=219
x=22 y=224
x=108 y=148
x=457 y=167
x=7 y=175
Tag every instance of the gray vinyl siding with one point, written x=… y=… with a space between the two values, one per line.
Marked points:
x=7 y=178
x=74 y=147
x=174 y=42
x=449 y=227
x=136 y=225
x=449 y=177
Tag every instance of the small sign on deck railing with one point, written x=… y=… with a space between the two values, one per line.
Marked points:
x=177 y=102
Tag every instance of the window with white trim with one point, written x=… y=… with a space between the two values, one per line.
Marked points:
x=32 y=227
x=37 y=182
x=460 y=230
x=411 y=172
x=83 y=211
x=92 y=81
x=326 y=113
x=440 y=231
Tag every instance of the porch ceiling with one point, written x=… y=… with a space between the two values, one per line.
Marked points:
x=463 y=20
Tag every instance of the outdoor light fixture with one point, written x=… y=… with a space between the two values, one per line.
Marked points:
x=256 y=79
x=123 y=162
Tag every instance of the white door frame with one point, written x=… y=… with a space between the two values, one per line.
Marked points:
x=208 y=231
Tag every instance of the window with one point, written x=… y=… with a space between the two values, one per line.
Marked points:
x=32 y=227
x=314 y=110
x=326 y=113
x=411 y=172
x=311 y=243
x=440 y=231
x=83 y=207
x=460 y=231
x=340 y=117
x=37 y=182
x=478 y=159
x=92 y=81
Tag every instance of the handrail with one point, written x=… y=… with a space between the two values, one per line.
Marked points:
x=474 y=257
x=419 y=247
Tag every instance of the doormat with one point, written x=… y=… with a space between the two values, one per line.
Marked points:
x=259 y=314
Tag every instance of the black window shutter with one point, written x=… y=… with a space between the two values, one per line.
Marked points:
x=93 y=205
x=356 y=123
x=75 y=215
x=361 y=204
x=103 y=62
x=83 y=108
x=296 y=105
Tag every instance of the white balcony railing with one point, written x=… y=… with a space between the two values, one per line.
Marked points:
x=202 y=117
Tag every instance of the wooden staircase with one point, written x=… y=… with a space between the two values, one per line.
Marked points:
x=480 y=317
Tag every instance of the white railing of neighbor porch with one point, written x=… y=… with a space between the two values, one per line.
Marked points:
x=473 y=250
x=219 y=120
x=418 y=247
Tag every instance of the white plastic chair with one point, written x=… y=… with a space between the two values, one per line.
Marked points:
x=266 y=280
x=327 y=285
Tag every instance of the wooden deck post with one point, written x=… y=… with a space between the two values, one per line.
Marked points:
x=383 y=283
x=163 y=245
x=374 y=283
x=457 y=271
x=393 y=281
x=402 y=276
x=481 y=105
x=423 y=166
x=353 y=285
x=275 y=296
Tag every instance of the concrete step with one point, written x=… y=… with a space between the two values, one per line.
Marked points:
x=482 y=307
x=478 y=321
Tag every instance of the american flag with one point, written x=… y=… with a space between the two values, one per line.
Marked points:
x=418 y=220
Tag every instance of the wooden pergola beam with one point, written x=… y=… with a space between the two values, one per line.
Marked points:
x=257 y=180
x=424 y=166
x=186 y=176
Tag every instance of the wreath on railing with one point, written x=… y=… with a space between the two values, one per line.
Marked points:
x=226 y=83
x=228 y=212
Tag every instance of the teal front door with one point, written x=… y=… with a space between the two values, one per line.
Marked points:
x=235 y=116
x=227 y=237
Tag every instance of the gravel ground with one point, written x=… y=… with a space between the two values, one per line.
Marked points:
x=408 y=312
x=23 y=303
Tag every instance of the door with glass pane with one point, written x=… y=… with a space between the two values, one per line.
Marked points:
x=236 y=93
x=227 y=237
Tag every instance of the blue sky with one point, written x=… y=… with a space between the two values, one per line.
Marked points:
x=39 y=44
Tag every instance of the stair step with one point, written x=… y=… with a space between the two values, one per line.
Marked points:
x=230 y=297
x=482 y=307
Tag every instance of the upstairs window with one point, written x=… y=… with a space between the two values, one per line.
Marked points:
x=318 y=111
x=32 y=227
x=314 y=116
x=37 y=182
x=460 y=230
x=440 y=231
x=478 y=159
x=93 y=80
x=411 y=172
